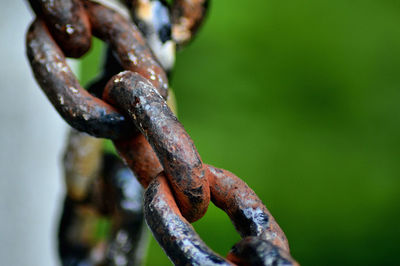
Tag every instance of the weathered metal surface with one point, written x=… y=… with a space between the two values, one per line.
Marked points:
x=108 y=227
x=68 y=24
x=128 y=43
x=254 y=251
x=139 y=155
x=129 y=240
x=76 y=238
x=173 y=232
x=153 y=19
x=148 y=137
x=264 y=242
x=187 y=17
x=177 y=154
x=244 y=207
x=80 y=109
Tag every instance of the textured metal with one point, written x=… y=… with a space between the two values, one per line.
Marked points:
x=187 y=17
x=153 y=19
x=172 y=231
x=128 y=43
x=80 y=109
x=245 y=209
x=255 y=251
x=174 y=148
x=130 y=107
x=106 y=225
x=68 y=24
x=264 y=242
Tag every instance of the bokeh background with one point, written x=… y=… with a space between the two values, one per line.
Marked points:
x=301 y=100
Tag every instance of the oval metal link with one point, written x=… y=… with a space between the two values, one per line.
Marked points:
x=80 y=109
x=264 y=242
x=68 y=23
x=245 y=209
x=108 y=220
x=255 y=251
x=187 y=17
x=163 y=157
x=128 y=43
x=153 y=19
x=174 y=148
x=172 y=231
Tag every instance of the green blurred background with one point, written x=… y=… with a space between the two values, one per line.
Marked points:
x=301 y=100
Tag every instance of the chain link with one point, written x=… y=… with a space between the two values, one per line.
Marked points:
x=102 y=220
x=131 y=109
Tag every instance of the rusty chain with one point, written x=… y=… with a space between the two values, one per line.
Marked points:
x=130 y=108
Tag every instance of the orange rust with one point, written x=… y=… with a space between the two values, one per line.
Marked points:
x=163 y=155
x=175 y=150
x=68 y=23
x=140 y=157
x=256 y=251
x=78 y=107
x=128 y=43
x=232 y=195
x=172 y=231
x=187 y=17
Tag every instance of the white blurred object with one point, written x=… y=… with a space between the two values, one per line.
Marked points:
x=32 y=137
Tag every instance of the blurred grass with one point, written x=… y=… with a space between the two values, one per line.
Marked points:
x=301 y=100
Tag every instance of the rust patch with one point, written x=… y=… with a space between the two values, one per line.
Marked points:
x=128 y=43
x=68 y=24
x=173 y=232
x=244 y=207
x=254 y=251
x=78 y=107
x=187 y=17
x=174 y=148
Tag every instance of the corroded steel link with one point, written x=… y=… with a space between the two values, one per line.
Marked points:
x=147 y=135
x=129 y=237
x=174 y=233
x=136 y=151
x=108 y=223
x=174 y=148
x=153 y=19
x=244 y=207
x=80 y=109
x=131 y=92
x=141 y=158
x=264 y=242
x=68 y=24
x=255 y=251
x=187 y=17
x=128 y=43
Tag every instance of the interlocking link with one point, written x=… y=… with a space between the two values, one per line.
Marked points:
x=131 y=110
x=153 y=20
x=264 y=242
x=172 y=231
x=187 y=17
x=174 y=148
x=256 y=251
x=128 y=43
x=245 y=209
x=102 y=220
x=68 y=24
x=80 y=109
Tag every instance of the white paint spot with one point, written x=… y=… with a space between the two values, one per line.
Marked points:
x=69 y=29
